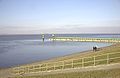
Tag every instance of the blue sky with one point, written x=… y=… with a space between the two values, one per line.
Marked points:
x=59 y=16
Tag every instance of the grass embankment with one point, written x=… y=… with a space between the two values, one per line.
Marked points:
x=77 y=60
x=113 y=73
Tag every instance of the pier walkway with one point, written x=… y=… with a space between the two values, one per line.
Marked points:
x=81 y=39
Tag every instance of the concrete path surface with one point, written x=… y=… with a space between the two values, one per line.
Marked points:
x=90 y=68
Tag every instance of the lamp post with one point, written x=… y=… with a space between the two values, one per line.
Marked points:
x=43 y=37
x=53 y=36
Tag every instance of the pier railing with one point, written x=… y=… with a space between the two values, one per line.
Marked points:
x=95 y=60
x=82 y=39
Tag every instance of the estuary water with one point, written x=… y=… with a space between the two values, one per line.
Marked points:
x=23 y=49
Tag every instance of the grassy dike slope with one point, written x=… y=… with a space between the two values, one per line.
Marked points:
x=112 y=73
x=104 y=50
x=96 y=73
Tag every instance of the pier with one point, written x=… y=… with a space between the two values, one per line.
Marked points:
x=81 y=39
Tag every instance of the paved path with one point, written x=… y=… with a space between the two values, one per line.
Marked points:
x=90 y=68
x=6 y=73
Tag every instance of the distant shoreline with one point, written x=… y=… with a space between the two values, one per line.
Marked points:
x=64 y=33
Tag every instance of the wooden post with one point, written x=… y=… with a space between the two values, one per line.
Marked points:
x=19 y=69
x=54 y=66
x=28 y=69
x=46 y=66
x=63 y=65
x=108 y=58
x=32 y=68
x=40 y=68
x=94 y=61
x=82 y=62
x=72 y=63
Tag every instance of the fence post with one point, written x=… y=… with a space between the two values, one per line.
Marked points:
x=39 y=68
x=82 y=62
x=18 y=69
x=63 y=65
x=28 y=69
x=108 y=58
x=46 y=66
x=54 y=66
x=94 y=60
x=72 y=63
x=33 y=69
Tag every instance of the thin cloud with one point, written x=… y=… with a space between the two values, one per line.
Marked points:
x=61 y=30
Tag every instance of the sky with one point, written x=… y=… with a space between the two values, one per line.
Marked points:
x=59 y=16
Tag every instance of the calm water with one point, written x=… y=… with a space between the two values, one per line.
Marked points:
x=21 y=49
